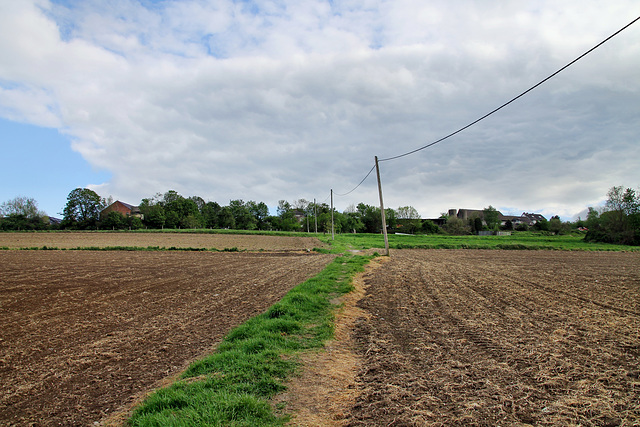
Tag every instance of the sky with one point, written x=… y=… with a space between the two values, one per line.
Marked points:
x=273 y=100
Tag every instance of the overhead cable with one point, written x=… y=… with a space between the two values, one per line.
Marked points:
x=354 y=189
x=512 y=100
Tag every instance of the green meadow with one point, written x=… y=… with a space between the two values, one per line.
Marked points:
x=516 y=241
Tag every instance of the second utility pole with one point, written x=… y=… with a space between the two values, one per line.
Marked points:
x=384 y=221
x=333 y=236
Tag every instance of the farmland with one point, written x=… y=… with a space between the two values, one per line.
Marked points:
x=439 y=337
x=159 y=240
x=500 y=338
x=83 y=333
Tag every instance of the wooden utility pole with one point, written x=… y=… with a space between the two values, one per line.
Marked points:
x=333 y=236
x=384 y=221
x=315 y=213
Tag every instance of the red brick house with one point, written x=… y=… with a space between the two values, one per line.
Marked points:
x=124 y=208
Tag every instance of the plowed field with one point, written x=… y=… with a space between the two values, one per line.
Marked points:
x=487 y=338
x=85 y=333
x=84 y=239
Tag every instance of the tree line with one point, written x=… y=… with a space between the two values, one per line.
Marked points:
x=618 y=221
x=171 y=210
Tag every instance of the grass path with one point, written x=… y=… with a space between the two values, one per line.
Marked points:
x=234 y=385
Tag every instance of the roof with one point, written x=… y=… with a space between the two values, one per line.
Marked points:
x=54 y=221
x=534 y=216
x=126 y=205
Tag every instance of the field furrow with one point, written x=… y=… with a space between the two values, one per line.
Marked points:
x=500 y=338
x=84 y=333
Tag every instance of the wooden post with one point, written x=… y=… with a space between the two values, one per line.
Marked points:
x=384 y=221
x=333 y=236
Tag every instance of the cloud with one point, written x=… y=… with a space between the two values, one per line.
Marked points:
x=267 y=101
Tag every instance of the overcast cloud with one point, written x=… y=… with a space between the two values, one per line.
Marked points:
x=289 y=99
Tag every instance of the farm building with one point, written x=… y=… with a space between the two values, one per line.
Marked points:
x=532 y=218
x=526 y=218
x=124 y=208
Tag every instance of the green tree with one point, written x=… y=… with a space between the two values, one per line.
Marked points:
x=409 y=218
x=199 y=201
x=114 y=221
x=324 y=222
x=429 y=227
x=172 y=219
x=260 y=211
x=390 y=218
x=82 y=209
x=210 y=213
x=407 y=212
x=370 y=217
x=21 y=222
x=242 y=216
x=225 y=218
x=340 y=222
x=352 y=223
x=271 y=222
x=25 y=206
x=542 y=225
x=152 y=211
x=593 y=218
x=619 y=222
x=170 y=196
x=491 y=217
x=154 y=216
x=556 y=226
x=191 y=221
x=22 y=213
x=181 y=212
x=286 y=217
x=456 y=226
x=134 y=223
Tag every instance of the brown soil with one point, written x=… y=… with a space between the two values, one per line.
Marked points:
x=485 y=338
x=68 y=240
x=83 y=334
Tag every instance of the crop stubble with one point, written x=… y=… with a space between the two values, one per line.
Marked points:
x=500 y=338
x=84 y=333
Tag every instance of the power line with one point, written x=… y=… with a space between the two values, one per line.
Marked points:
x=513 y=99
x=354 y=189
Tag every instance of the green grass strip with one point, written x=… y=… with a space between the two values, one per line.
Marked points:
x=232 y=386
x=517 y=241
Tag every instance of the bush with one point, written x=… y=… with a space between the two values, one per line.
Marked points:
x=627 y=237
x=429 y=227
x=22 y=223
x=619 y=221
x=114 y=221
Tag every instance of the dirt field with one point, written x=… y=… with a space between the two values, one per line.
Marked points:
x=163 y=240
x=83 y=334
x=487 y=338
